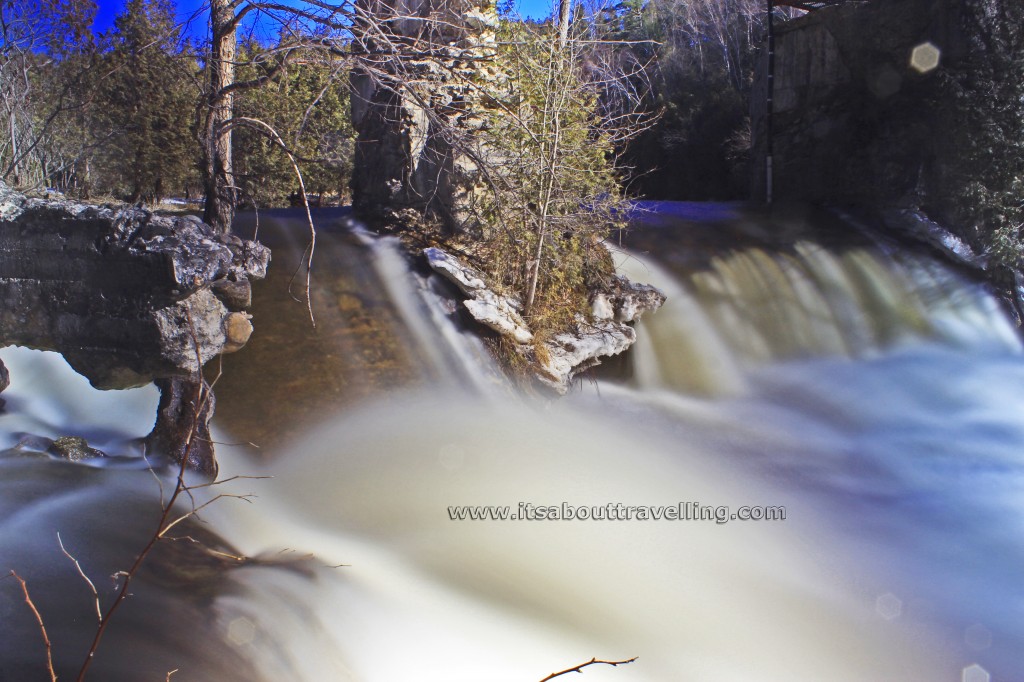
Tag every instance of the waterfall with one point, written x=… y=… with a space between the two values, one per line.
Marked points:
x=873 y=396
x=752 y=307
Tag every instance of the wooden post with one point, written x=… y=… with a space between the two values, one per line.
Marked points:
x=769 y=101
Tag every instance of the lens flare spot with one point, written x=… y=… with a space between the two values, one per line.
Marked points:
x=241 y=631
x=925 y=57
x=889 y=606
x=975 y=673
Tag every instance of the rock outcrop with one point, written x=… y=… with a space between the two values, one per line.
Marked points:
x=128 y=297
x=557 y=360
x=124 y=294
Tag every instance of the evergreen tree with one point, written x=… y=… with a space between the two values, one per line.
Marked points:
x=308 y=106
x=149 y=99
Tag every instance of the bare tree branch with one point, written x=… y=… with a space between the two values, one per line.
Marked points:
x=579 y=668
x=42 y=626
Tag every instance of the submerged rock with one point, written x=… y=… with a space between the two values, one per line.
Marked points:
x=5 y=377
x=559 y=359
x=73 y=449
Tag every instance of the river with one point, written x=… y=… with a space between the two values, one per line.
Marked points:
x=800 y=367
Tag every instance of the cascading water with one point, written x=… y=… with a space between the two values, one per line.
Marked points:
x=876 y=398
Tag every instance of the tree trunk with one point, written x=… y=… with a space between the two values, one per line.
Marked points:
x=182 y=429
x=564 y=7
x=218 y=172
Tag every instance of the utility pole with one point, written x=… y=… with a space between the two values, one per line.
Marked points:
x=769 y=102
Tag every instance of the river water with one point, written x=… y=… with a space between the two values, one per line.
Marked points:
x=874 y=395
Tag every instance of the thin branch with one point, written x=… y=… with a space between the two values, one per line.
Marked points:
x=180 y=488
x=195 y=511
x=579 y=668
x=78 y=566
x=42 y=627
x=268 y=129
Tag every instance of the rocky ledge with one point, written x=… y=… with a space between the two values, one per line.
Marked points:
x=557 y=360
x=128 y=297
x=124 y=294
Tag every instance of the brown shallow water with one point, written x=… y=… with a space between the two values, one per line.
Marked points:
x=291 y=373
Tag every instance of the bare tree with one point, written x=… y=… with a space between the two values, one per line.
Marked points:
x=217 y=169
x=37 y=37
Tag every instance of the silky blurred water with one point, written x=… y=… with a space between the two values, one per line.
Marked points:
x=877 y=397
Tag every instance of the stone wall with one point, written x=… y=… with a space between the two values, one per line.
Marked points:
x=859 y=121
x=415 y=109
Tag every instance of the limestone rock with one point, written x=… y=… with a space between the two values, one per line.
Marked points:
x=567 y=355
x=236 y=296
x=500 y=313
x=561 y=358
x=629 y=300
x=124 y=294
x=601 y=307
x=468 y=279
x=237 y=330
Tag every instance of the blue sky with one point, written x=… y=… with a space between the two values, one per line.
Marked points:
x=193 y=10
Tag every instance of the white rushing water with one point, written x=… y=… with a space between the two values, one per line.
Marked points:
x=878 y=402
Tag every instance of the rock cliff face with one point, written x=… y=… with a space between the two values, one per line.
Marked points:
x=901 y=104
x=415 y=109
